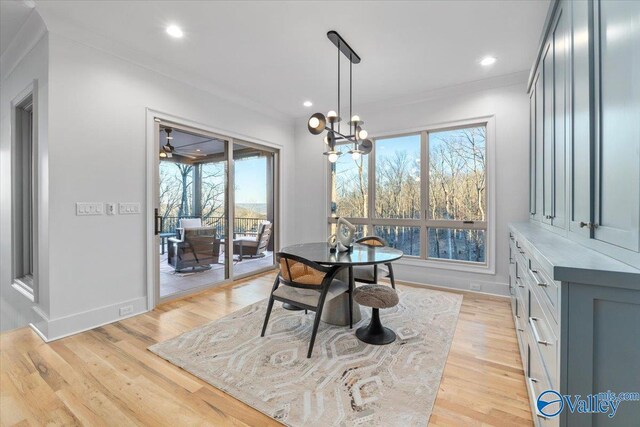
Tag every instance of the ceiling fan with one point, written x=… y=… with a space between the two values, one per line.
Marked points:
x=169 y=150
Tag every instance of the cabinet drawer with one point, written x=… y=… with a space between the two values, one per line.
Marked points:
x=543 y=338
x=520 y=311
x=544 y=286
x=537 y=382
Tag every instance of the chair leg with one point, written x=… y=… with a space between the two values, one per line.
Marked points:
x=351 y=286
x=266 y=318
x=316 y=323
x=391 y=277
x=350 y=308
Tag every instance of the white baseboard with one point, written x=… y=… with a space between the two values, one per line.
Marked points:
x=452 y=288
x=457 y=280
x=54 y=329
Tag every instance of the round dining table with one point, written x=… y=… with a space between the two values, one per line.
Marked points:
x=336 y=311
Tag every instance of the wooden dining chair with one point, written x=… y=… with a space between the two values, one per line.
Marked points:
x=369 y=273
x=307 y=285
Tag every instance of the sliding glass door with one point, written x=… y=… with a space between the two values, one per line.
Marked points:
x=191 y=220
x=203 y=180
x=254 y=202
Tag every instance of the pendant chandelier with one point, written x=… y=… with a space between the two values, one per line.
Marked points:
x=356 y=135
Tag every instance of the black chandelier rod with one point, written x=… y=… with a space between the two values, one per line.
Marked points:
x=339 y=82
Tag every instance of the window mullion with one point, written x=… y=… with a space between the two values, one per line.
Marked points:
x=424 y=184
x=371 y=185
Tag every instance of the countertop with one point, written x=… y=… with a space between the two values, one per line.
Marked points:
x=568 y=261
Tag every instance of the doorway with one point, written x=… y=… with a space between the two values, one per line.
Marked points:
x=215 y=214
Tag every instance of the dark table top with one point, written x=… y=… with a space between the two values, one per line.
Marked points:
x=361 y=254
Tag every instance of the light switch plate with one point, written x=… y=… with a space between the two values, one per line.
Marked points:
x=89 y=208
x=128 y=208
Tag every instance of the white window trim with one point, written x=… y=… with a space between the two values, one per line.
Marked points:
x=489 y=266
x=28 y=285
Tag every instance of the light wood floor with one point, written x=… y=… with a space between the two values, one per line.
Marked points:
x=107 y=377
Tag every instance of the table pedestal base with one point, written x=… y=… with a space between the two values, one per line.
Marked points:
x=374 y=333
x=336 y=311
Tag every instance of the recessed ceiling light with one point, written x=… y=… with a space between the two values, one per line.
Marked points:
x=174 y=31
x=307 y=103
x=197 y=149
x=487 y=60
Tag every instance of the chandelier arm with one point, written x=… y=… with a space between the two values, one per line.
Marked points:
x=345 y=137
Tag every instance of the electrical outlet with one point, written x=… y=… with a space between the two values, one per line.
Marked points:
x=89 y=208
x=475 y=287
x=128 y=208
x=126 y=310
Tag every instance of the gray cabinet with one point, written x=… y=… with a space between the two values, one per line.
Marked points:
x=532 y=153
x=576 y=314
x=581 y=196
x=617 y=137
x=550 y=119
x=539 y=150
x=585 y=126
x=561 y=46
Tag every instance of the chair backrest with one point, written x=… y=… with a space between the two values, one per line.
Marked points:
x=302 y=273
x=190 y=222
x=202 y=240
x=372 y=241
x=264 y=234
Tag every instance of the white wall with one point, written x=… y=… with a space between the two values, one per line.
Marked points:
x=24 y=63
x=505 y=98
x=97 y=150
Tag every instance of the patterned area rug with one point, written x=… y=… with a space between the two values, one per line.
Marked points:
x=346 y=382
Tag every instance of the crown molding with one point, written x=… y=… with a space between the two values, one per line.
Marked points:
x=27 y=37
x=518 y=78
x=61 y=27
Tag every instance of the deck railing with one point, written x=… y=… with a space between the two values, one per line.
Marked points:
x=241 y=225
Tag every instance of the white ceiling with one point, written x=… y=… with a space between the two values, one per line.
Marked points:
x=13 y=13
x=276 y=54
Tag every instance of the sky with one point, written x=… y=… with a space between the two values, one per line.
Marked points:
x=251 y=180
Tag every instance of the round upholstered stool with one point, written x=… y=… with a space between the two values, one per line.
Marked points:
x=376 y=297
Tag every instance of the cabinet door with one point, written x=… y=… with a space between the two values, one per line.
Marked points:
x=539 y=147
x=580 y=154
x=617 y=180
x=548 y=131
x=603 y=349
x=560 y=114
x=532 y=151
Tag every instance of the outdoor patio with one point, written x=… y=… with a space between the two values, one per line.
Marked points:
x=172 y=282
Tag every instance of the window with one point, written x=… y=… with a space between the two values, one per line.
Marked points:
x=398 y=177
x=350 y=187
x=428 y=193
x=24 y=179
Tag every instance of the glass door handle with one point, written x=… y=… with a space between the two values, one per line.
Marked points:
x=157 y=227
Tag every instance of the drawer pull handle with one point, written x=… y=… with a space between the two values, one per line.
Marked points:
x=532 y=392
x=539 y=282
x=590 y=225
x=536 y=334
